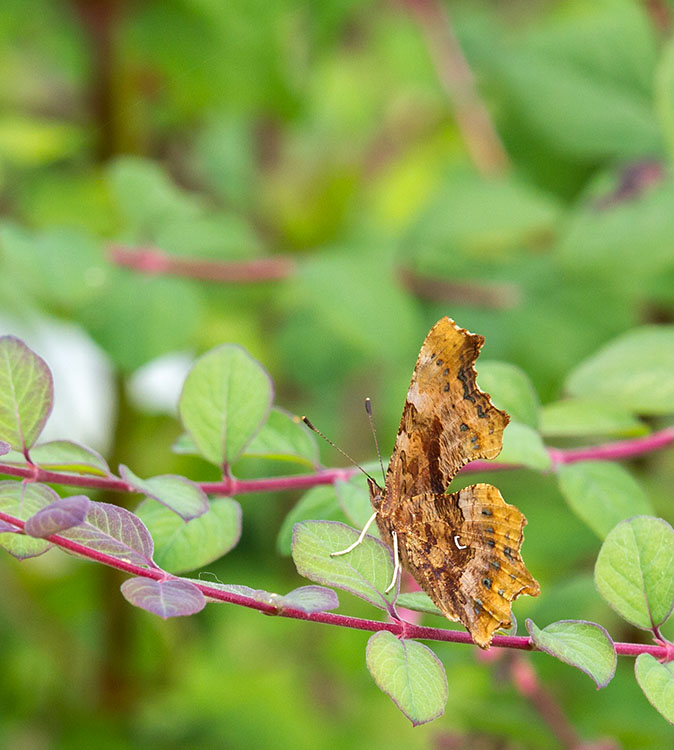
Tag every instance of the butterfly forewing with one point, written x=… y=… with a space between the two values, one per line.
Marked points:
x=447 y=421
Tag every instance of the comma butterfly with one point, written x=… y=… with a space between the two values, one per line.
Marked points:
x=462 y=548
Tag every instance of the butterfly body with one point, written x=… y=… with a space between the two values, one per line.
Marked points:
x=462 y=548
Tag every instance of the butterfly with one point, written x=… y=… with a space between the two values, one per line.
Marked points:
x=462 y=548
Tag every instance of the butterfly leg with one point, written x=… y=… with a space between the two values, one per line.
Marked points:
x=396 y=568
x=359 y=540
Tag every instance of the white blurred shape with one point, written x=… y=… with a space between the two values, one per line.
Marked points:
x=155 y=387
x=85 y=401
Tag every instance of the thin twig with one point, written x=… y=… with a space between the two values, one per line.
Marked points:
x=232 y=486
x=398 y=627
x=152 y=260
x=456 y=76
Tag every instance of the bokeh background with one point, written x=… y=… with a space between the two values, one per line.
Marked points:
x=504 y=163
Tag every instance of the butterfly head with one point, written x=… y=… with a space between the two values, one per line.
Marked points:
x=376 y=493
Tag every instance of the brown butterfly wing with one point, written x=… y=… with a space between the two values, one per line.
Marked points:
x=464 y=551
x=447 y=421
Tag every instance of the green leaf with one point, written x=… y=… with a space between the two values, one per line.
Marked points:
x=225 y=400
x=657 y=682
x=178 y=494
x=365 y=571
x=23 y=501
x=523 y=446
x=284 y=437
x=354 y=499
x=635 y=571
x=319 y=502
x=510 y=389
x=181 y=546
x=146 y=197
x=418 y=601
x=410 y=674
x=583 y=417
x=635 y=371
x=602 y=494
x=26 y=393
x=66 y=456
x=581 y=644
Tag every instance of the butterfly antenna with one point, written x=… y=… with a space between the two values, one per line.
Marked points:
x=368 y=409
x=336 y=447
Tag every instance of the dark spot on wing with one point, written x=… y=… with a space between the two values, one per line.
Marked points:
x=489 y=529
x=481 y=413
x=491 y=543
x=446 y=387
x=446 y=371
x=466 y=388
x=464 y=428
x=508 y=553
x=486 y=582
x=439 y=362
x=485 y=511
x=495 y=564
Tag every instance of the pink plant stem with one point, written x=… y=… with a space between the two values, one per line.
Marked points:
x=399 y=628
x=151 y=260
x=231 y=486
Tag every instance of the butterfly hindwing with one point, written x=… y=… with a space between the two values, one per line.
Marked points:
x=464 y=551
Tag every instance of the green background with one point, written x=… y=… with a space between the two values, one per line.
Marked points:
x=321 y=131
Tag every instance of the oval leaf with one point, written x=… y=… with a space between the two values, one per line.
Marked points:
x=170 y=598
x=114 y=531
x=181 y=546
x=311 y=599
x=657 y=682
x=418 y=601
x=410 y=674
x=58 y=516
x=583 y=417
x=635 y=571
x=510 y=389
x=284 y=437
x=65 y=455
x=522 y=446
x=635 y=371
x=22 y=501
x=8 y=527
x=581 y=644
x=366 y=571
x=354 y=499
x=224 y=402
x=319 y=502
x=178 y=494
x=26 y=393
x=602 y=494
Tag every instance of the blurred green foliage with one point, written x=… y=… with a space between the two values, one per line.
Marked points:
x=246 y=129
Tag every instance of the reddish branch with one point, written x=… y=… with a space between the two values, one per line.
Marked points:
x=622 y=449
x=151 y=260
x=472 y=117
x=399 y=628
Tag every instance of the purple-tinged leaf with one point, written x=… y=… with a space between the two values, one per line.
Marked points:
x=8 y=528
x=172 y=598
x=114 y=531
x=410 y=674
x=178 y=494
x=26 y=393
x=4 y=447
x=310 y=599
x=23 y=500
x=306 y=598
x=60 y=515
x=581 y=644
